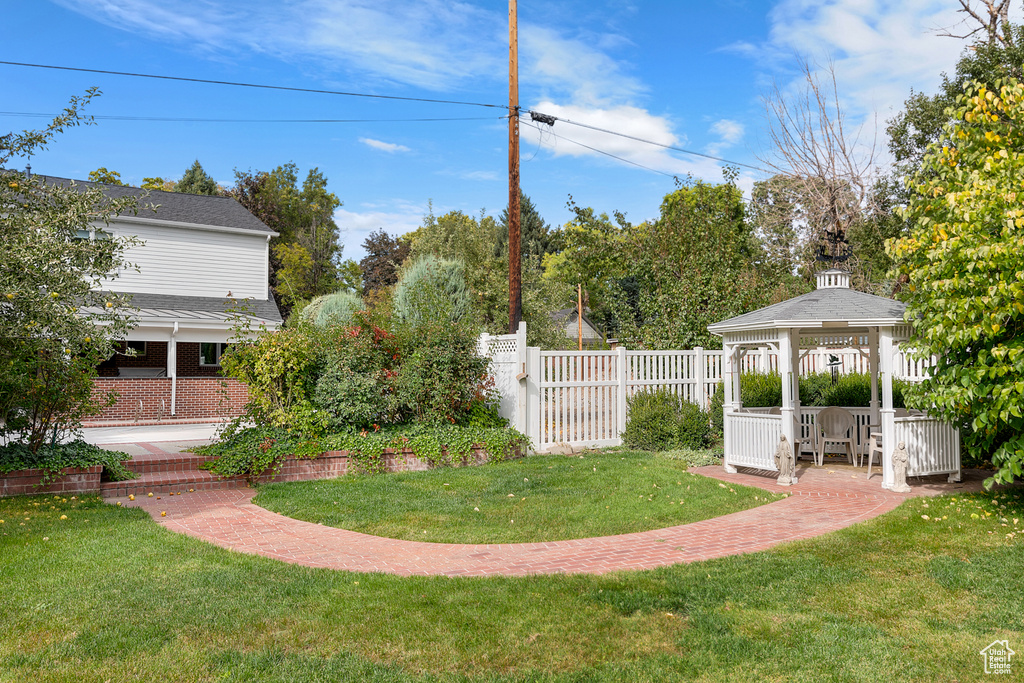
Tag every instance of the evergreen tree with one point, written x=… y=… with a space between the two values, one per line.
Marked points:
x=197 y=181
x=534 y=233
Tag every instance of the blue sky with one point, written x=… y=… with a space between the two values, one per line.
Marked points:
x=684 y=73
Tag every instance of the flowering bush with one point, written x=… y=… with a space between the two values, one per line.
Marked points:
x=359 y=370
x=442 y=377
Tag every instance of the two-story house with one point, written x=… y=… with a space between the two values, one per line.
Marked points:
x=199 y=260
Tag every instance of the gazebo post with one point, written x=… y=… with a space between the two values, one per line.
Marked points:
x=730 y=385
x=873 y=373
x=797 y=431
x=786 y=371
x=887 y=412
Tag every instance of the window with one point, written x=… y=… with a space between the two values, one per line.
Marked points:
x=92 y=234
x=210 y=353
x=135 y=349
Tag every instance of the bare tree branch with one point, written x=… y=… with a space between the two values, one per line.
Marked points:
x=830 y=169
x=998 y=12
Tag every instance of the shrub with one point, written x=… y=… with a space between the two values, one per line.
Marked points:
x=332 y=309
x=442 y=376
x=765 y=391
x=356 y=386
x=716 y=408
x=761 y=390
x=280 y=369
x=432 y=291
x=660 y=420
x=812 y=387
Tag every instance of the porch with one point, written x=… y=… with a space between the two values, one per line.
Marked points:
x=168 y=367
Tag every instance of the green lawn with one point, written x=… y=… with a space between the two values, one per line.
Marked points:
x=540 y=498
x=107 y=594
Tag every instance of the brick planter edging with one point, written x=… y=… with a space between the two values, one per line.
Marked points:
x=72 y=480
x=331 y=464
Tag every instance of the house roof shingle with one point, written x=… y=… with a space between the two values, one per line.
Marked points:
x=179 y=207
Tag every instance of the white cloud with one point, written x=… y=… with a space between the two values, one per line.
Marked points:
x=729 y=132
x=564 y=66
x=434 y=44
x=881 y=49
x=355 y=226
x=389 y=147
x=428 y=43
x=625 y=120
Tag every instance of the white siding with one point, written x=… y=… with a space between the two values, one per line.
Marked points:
x=193 y=262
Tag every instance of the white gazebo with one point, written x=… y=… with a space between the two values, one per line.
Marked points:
x=832 y=317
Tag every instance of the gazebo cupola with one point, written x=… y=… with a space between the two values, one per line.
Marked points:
x=832 y=316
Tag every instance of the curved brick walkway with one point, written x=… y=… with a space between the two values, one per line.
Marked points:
x=825 y=499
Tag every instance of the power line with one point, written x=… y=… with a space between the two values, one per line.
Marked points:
x=202 y=120
x=552 y=119
x=252 y=85
x=599 y=151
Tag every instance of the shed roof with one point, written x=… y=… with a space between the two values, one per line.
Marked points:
x=179 y=207
x=184 y=309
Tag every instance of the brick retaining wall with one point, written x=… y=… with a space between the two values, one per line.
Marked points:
x=337 y=463
x=74 y=480
x=150 y=398
x=329 y=465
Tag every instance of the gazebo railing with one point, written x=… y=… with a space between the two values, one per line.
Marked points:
x=752 y=436
x=751 y=439
x=933 y=446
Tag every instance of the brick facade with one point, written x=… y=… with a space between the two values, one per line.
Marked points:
x=150 y=399
x=188 y=362
x=156 y=357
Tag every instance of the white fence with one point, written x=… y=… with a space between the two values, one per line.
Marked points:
x=578 y=398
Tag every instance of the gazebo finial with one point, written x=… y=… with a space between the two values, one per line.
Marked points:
x=833 y=278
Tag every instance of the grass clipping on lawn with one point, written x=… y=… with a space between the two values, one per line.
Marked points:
x=540 y=498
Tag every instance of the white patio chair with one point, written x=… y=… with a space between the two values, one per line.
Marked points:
x=833 y=425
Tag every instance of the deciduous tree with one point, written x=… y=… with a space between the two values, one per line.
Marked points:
x=102 y=175
x=56 y=324
x=384 y=255
x=965 y=274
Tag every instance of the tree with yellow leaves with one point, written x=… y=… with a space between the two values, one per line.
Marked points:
x=964 y=266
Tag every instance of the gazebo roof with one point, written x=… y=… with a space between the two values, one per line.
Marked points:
x=832 y=304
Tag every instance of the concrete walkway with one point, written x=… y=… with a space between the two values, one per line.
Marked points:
x=124 y=435
x=826 y=499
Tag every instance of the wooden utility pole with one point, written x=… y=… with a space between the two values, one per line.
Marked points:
x=579 y=313
x=515 y=294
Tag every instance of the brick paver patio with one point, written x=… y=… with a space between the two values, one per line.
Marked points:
x=826 y=499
